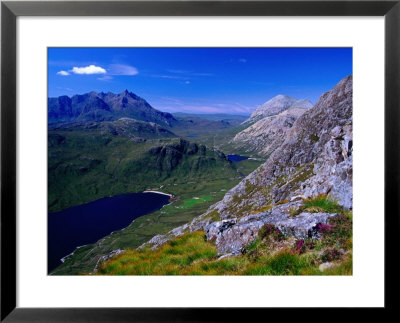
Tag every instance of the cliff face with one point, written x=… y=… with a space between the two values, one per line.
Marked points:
x=267 y=134
x=315 y=159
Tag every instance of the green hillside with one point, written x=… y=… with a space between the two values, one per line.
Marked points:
x=87 y=165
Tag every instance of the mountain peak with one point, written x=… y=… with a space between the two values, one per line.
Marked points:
x=279 y=104
x=281 y=96
x=95 y=106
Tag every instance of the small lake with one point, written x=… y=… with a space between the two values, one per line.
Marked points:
x=87 y=223
x=237 y=158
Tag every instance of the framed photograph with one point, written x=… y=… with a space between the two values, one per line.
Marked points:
x=163 y=158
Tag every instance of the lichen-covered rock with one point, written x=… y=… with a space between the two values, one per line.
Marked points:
x=231 y=236
x=333 y=169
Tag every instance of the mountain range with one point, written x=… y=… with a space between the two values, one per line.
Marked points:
x=102 y=106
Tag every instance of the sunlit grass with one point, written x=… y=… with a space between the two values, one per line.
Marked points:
x=173 y=258
x=322 y=203
x=188 y=203
x=191 y=254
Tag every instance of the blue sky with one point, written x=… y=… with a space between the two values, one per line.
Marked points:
x=200 y=80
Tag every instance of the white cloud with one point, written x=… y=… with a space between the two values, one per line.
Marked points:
x=187 y=82
x=63 y=73
x=242 y=60
x=120 y=69
x=91 y=69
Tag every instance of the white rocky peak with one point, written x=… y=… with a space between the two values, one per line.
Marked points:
x=278 y=104
x=268 y=133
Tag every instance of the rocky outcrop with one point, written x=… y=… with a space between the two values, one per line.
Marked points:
x=315 y=158
x=190 y=157
x=266 y=135
x=276 y=105
x=232 y=235
x=107 y=257
x=333 y=169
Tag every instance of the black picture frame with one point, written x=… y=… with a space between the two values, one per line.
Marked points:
x=10 y=10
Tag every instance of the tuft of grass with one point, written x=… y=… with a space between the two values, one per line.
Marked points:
x=281 y=263
x=282 y=202
x=285 y=263
x=318 y=204
x=263 y=209
x=322 y=203
x=214 y=216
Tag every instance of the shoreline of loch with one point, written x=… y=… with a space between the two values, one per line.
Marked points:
x=158 y=192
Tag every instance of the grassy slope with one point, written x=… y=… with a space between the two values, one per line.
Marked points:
x=270 y=254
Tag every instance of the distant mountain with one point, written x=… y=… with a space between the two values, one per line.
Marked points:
x=123 y=127
x=232 y=118
x=276 y=105
x=266 y=135
x=104 y=107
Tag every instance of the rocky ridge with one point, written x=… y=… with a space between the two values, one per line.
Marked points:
x=277 y=105
x=266 y=135
x=315 y=158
